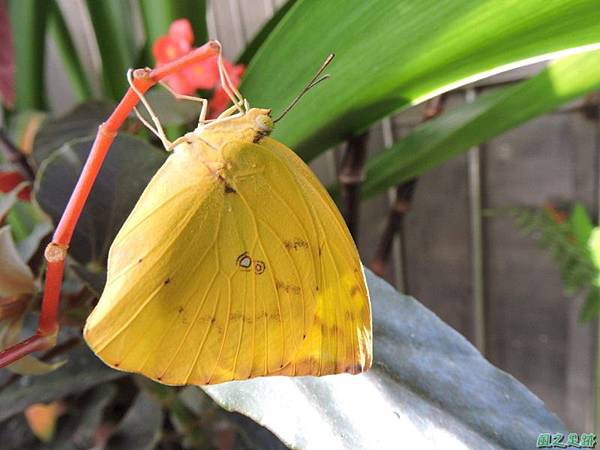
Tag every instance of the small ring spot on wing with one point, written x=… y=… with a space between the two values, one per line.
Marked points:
x=259 y=267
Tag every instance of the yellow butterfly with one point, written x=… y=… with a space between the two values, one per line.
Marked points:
x=235 y=263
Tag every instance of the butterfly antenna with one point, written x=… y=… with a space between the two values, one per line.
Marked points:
x=311 y=84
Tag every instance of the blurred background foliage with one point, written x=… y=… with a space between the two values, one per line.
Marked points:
x=391 y=55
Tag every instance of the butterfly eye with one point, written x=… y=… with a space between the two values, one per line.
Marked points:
x=264 y=123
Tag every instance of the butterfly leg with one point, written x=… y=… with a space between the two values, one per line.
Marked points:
x=203 y=111
x=56 y=251
x=157 y=129
x=234 y=95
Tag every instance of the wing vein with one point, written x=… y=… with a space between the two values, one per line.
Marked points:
x=254 y=222
x=175 y=317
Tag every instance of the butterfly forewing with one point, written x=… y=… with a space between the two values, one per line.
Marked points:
x=224 y=288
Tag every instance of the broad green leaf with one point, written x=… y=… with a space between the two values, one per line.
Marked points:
x=394 y=53
x=82 y=121
x=113 y=25
x=141 y=427
x=429 y=389
x=81 y=372
x=61 y=35
x=15 y=276
x=28 y=22
x=127 y=169
x=490 y=114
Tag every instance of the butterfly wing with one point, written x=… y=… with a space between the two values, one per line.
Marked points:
x=202 y=286
x=340 y=339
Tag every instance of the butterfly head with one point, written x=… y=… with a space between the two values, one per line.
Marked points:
x=261 y=123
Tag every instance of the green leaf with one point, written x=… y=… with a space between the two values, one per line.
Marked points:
x=127 y=169
x=28 y=22
x=81 y=372
x=23 y=218
x=429 y=387
x=30 y=365
x=141 y=427
x=15 y=276
x=83 y=120
x=264 y=33
x=112 y=21
x=394 y=53
x=594 y=246
x=8 y=200
x=555 y=234
x=581 y=224
x=591 y=307
x=72 y=64
x=457 y=130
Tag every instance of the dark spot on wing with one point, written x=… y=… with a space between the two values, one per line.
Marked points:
x=229 y=189
x=140 y=260
x=180 y=309
x=295 y=244
x=167 y=281
x=288 y=288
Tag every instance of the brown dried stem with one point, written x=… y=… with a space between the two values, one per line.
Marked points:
x=402 y=203
x=351 y=177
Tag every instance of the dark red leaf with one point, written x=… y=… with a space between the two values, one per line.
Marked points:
x=7 y=58
x=10 y=180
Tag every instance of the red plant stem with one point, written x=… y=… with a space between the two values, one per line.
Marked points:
x=56 y=251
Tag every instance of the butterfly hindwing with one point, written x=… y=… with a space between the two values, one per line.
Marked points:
x=341 y=338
